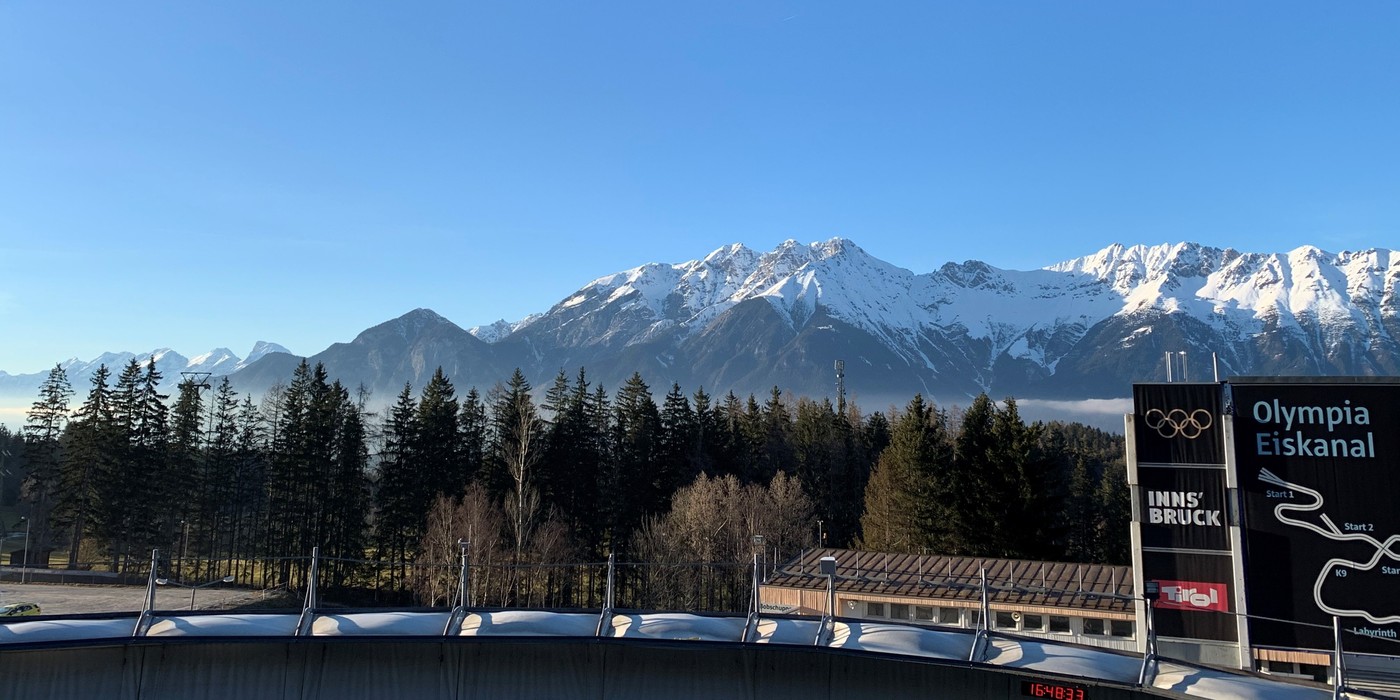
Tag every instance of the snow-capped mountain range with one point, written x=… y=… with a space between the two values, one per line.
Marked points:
x=1086 y=327
x=745 y=321
x=217 y=362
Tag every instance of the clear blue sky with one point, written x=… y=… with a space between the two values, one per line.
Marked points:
x=193 y=175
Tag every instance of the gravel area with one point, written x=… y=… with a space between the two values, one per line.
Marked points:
x=60 y=599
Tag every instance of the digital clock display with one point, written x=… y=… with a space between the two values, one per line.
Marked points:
x=1054 y=691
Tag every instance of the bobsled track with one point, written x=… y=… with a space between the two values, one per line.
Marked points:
x=542 y=654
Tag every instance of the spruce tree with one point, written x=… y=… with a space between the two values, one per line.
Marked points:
x=43 y=429
x=976 y=483
x=676 y=450
x=190 y=484
x=93 y=440
x=631 y=491
x=403 y=496
x=905 y=500
x=439 y=445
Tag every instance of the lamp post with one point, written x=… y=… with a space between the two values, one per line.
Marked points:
x=827 y=567
x=168 y=582
x=23 y=573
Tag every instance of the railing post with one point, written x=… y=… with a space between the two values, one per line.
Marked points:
x=1151 y=591
x=978 y=641
x=308 y=610
x=605 y=617
x=143 y=620
x=463 y=574
x=754 y=604
x=1339 y=665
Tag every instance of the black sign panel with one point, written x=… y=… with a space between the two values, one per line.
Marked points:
x=1319 y=472
x=1183 y=508
x=1197 y=596
x=1178 y=423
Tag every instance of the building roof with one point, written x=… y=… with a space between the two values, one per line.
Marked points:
x=1097 y=587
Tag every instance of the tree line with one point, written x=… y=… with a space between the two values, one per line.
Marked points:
x=249 y=487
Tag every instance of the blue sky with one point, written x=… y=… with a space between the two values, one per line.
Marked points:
x=195 y=175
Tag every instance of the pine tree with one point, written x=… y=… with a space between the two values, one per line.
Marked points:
x=93 y=439
x=1032 y=486
x=1080 y=512
x=976 y=483
x=775 y=449
x=709 y=449
x=1116 y=510
x=818 y=454
x=47 y=418
x=151 y=447
x=506 y=402
x=676 y=448
x=908 y=491
x=630 y=492
x=403 y=497
x=218 y=491
x=439 y=446
x=473 y=426
x=347 y=501
x=570 y=467
x=250 y=476
x=190 y=485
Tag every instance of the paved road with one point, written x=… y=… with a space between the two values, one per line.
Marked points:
x=61 y=599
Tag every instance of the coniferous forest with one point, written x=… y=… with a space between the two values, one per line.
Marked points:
x=537 y=482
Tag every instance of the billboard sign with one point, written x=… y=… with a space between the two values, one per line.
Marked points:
x=1319 y=474
x=1183 y=508
x=1197 y=594
x=1178 y=424
x=1179 y=508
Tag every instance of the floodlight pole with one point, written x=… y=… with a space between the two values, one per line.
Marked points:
x=755 y=604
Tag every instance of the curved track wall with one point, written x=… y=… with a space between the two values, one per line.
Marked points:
x=312 y=669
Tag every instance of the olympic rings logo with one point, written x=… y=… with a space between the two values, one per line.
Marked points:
x=1177 y=422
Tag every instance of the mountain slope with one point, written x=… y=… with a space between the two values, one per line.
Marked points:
x=746 y=321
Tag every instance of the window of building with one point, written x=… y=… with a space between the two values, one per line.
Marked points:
x=974 y=617
x=950 y=616
x=1059 y=623
x=1005 y=619
x=1316 y=672
x=923 y=612
x=899 y=611
x=1094 y=625
x=875 y=609
x=1034 y=623
x=1120 y=628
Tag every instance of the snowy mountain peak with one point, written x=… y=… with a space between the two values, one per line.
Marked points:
x=261 y=348
x=493 y=332
x=1085 y=326
x=216 y=361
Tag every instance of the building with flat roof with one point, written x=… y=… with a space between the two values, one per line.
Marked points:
x=1091 y=604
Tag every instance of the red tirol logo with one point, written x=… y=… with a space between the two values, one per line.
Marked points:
x=1194 y=595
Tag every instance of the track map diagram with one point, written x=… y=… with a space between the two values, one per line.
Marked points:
x=1371 y=558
